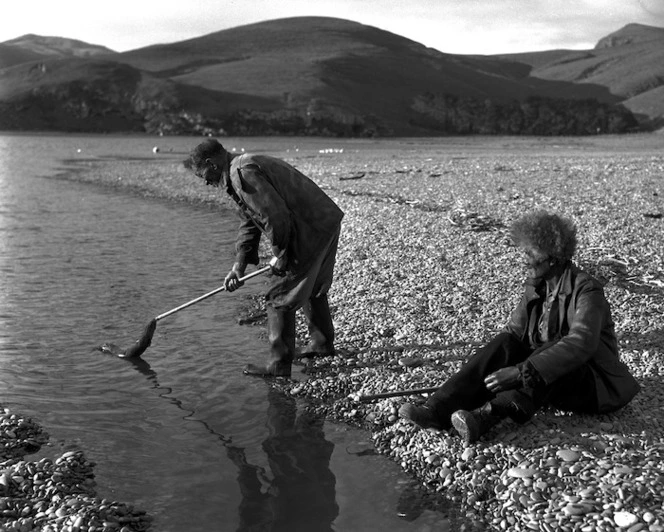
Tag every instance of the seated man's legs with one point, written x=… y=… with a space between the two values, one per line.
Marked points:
x=574 y=392
x=520 y=405
x=466 y=389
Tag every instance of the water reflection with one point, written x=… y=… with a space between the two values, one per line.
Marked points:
x=301 y=495
x=297 y=491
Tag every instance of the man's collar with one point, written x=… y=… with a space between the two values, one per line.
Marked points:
x=536 y=286
x=226 y=172
x=566 y=279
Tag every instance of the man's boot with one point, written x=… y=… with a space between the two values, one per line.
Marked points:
x=321 y=328
x=471 y=425
x=281 y=334
x=422 y=416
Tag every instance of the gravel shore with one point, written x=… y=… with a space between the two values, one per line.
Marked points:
x=425 y=273
x=53 y=495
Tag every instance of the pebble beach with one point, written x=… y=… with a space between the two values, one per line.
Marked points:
x=425 y=273
x=53 y=494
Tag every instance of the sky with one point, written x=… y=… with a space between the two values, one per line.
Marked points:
x=450 y=26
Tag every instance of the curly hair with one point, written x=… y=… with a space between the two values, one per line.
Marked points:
x=205 y=150
x=549 y=233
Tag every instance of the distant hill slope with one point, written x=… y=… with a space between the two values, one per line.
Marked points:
x=632 y=34
x=628 y=62
x=74 y=94
x=31 y=47
x=15 y=55
x=305 y=75
x=298 y=56
x=343 y=67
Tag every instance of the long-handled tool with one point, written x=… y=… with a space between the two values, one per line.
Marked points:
x=144 y=342
x=397 y=393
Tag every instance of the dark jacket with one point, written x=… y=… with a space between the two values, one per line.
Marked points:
x=587 y=337
x=277 y=200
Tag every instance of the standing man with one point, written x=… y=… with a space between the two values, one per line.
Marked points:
x=301 y=223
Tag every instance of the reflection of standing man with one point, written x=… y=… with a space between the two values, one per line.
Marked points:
x=301 y=496
x=302 y=225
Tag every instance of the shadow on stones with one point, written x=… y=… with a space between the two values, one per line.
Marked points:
x=648 y=340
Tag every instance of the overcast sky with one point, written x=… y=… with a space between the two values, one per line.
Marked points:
x=452 y=26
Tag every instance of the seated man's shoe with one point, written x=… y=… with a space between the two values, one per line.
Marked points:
x=471 y=425
x=422 y=416
x=275 y=369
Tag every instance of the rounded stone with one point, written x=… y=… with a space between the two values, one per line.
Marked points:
x=521 y=472
x=622 y=470
x=468 y=454
x=445 y=472
x=624 y=519
x=568 y=455
x=410 y=362
x=576 y=509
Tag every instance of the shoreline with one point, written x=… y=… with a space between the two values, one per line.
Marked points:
x=424 y=273
x=56 y=493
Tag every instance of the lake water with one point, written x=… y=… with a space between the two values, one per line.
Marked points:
x=181 y=433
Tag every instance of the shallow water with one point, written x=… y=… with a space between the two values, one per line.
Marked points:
x=179 y=433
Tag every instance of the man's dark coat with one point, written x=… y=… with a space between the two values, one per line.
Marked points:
x=587 y=336
x=277 y=200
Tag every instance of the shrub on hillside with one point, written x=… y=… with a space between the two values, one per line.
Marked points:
x=451 y=114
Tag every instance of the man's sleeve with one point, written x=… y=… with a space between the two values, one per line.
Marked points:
x=529 y=376
x=246 y=244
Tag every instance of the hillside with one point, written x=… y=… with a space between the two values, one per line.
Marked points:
x=309 y=54
x=304 y=75
x=14 y=55
x=32 y=47
x=345 y=68
x=97 y=95
x=628 y=62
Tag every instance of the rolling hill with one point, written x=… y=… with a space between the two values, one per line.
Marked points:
x=628 y=62
x=33 y=47
x=319 y=75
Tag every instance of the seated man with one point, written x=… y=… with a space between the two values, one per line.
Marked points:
x=559 y=347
